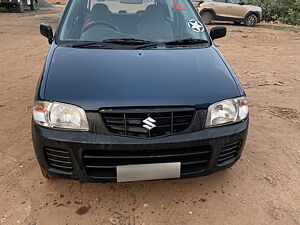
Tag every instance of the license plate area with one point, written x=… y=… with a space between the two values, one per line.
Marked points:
x=155 y=171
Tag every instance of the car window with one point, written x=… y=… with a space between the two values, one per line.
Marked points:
x=234 y=1
x=219 y=1
x=150 y=20
x=122 y=6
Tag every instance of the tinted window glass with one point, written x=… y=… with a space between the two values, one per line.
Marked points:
x=234 y=1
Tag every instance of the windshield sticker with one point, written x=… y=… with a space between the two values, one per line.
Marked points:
x=177 y=7
x=196 y=26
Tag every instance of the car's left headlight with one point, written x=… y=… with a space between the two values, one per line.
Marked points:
x=227 y=111
x=60 y=116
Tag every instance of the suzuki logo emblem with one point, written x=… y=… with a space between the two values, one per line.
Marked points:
x=149 y=123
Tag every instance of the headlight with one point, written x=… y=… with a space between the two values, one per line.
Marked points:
x=60 y=115
x=227 y=111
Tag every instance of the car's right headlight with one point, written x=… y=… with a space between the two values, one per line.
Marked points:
x=60 y=116
x=227 y=111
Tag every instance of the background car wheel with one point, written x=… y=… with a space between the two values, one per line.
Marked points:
x=20 y=7
x=32 y=2
x=207 y=17
x=47 y=175
x=251 y=20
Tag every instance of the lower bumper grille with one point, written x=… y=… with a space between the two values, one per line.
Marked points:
x=59 y=159
x=228 y=153
x=101 y=164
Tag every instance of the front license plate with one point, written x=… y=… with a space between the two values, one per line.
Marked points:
x=148 y=171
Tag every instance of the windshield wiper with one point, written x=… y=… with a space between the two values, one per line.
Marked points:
x=128 y=41
x=154 y=44
x=91 y=44
x=139 y=43
x=188 y=41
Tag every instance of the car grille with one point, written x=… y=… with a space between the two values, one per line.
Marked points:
x=59 y=159
x=228 y=153
x=101 y=164
x=130 y=123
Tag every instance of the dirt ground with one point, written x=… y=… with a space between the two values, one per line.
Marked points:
x=262 y=188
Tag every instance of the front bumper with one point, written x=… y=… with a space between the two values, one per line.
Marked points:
x=76 y=155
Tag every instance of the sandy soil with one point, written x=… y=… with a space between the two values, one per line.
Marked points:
x=262 y=188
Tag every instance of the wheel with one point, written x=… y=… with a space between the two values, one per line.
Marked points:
x=251 y=20
x=47 y=175
x=207 y=17
x=32 y=2
x=20 y=7
x=237 y=23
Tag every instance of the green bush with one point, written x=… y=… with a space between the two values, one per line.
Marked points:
x=286 y=11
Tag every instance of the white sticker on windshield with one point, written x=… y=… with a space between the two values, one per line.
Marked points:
x=195 y=25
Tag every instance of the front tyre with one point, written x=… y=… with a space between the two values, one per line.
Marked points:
x=207 y=17
x=251 y=20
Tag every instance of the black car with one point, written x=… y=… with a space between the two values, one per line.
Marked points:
x=136 y=90
x=19 y=5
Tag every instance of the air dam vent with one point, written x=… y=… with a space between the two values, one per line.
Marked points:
x=158 y=123
x=59 y=159
x=229 y=152
x=101 y=164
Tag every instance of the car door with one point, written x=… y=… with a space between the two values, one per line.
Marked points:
x=235 y=9
x=219 y=6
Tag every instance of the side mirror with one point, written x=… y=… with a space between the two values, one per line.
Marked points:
x=242 y=3
x=218 y=32
x=46 y=30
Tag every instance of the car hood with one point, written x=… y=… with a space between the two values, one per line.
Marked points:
x=97 y=78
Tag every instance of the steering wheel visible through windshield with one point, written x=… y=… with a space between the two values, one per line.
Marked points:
x=142 y=21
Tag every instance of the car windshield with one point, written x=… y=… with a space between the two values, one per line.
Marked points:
x=131 y=21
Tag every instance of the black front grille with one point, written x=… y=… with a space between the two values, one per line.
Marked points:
x=229 y=152
x=59 y=159
x=101 y=164
x=130 y=122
